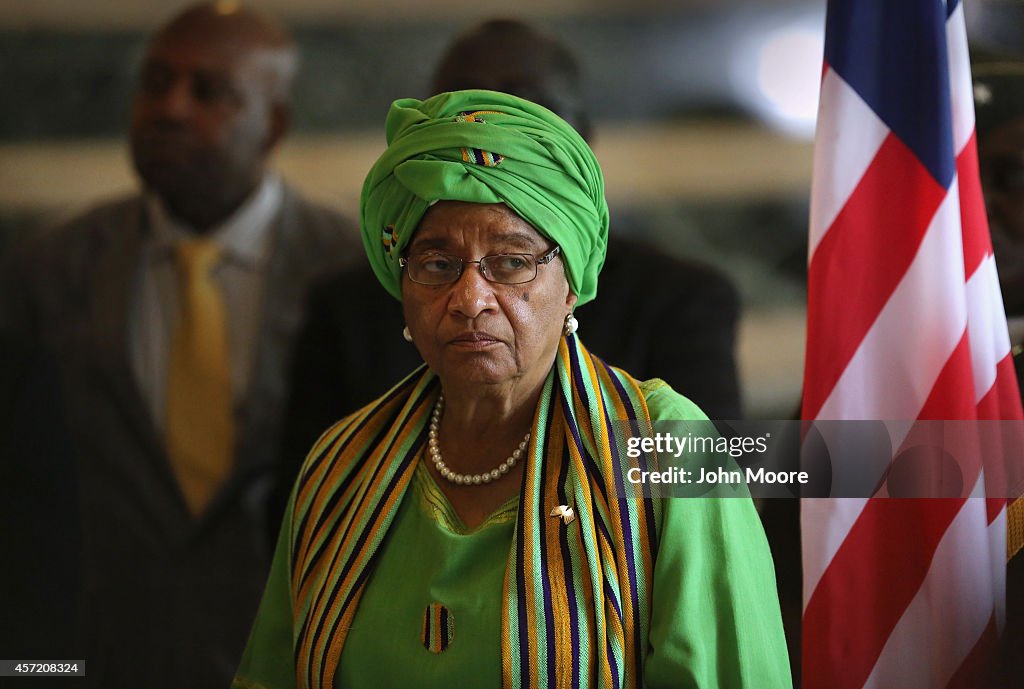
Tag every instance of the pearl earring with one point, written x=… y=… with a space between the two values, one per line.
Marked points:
x=571 y=325
x=406 y=334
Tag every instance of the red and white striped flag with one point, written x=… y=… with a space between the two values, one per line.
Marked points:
x=905 y=321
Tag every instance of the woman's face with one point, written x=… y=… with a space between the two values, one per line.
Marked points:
x=476 y=331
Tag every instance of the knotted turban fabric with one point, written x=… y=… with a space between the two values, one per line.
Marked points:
x=485 y=147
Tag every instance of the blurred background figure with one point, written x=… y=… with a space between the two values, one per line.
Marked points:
x=39 y=589
x=684 y=329
x=678 y=322
x=999 y=103
x=170 y=314
x=999 y=107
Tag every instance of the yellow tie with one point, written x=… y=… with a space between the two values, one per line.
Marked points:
x=200 y=427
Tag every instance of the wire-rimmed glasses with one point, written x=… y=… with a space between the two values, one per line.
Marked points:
x=433 y=268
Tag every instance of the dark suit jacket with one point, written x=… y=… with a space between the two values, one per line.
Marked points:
x=654 y=316
x=168 y=599
x=39 y=529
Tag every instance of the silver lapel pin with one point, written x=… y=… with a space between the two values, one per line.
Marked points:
x=565 y=512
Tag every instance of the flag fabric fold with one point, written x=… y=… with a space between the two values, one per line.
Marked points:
x=905 y=322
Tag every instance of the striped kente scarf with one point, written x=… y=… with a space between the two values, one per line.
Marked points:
x=577 y=596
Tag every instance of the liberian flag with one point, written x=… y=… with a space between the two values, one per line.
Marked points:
x=905 y=321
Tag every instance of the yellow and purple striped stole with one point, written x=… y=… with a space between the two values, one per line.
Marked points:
x=576 y=608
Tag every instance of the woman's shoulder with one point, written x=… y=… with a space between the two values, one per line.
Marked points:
x=666 y=404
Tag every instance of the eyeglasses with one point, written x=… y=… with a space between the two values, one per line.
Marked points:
x=506 y=269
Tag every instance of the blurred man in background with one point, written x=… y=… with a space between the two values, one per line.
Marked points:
x=999 y=104
x=678 y=322
x=999 y=101
x=171 y=315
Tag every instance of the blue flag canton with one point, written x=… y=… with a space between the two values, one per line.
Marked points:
x=894 y=55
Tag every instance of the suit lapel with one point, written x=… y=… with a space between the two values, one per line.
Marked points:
x=114 y=277
x=114 y=285
x=283 y=293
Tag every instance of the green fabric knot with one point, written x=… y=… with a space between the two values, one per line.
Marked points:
x=485 y=147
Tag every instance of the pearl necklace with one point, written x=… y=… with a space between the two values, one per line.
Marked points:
x=467 y=479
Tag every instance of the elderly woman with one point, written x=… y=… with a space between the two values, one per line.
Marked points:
x=472 y=527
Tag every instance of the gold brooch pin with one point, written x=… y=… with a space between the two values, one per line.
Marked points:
x=565 y=512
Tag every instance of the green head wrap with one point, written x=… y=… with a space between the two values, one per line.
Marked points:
x=485 y=147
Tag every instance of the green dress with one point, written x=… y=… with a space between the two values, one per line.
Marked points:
x=430 y=615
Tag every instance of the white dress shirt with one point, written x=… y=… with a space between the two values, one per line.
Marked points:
x=241 y=273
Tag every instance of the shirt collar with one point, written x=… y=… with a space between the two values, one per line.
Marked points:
x=245 y=235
